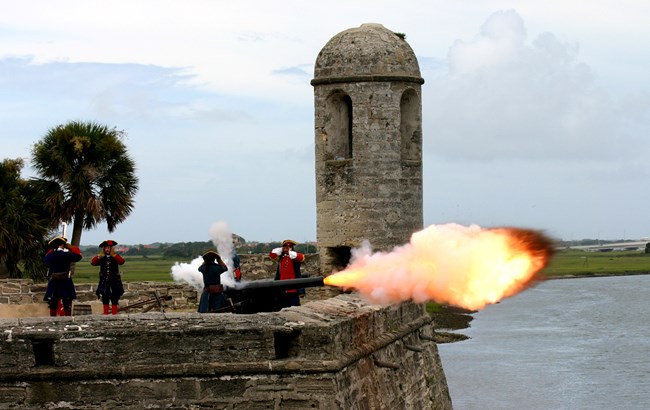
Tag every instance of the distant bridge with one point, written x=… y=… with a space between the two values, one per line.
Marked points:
x=619 y=246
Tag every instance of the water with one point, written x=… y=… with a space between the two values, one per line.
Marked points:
x=565 y=344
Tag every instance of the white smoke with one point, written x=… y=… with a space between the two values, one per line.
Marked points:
x=189 y=273
x=221 y=238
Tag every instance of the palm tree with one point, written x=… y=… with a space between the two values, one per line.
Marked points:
x=24 y=224
x=87 y=174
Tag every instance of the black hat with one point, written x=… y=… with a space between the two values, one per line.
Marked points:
x=209 y=255
x=289 y=242
x=57 y=241
x=108 y=242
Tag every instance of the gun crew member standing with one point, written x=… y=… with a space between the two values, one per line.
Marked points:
x=110 y=287
x=60 y=285
x=288 y=268
x=212 y=297
x=236 y=265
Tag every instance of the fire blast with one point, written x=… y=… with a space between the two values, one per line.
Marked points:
x=469 y=267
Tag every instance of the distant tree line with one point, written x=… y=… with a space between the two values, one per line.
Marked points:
x=266 y=247
x=189 y=250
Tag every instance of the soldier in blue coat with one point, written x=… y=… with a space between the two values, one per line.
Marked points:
x=60 y=286
x=110 y=287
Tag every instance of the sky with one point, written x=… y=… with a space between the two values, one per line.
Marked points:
x=535 y=114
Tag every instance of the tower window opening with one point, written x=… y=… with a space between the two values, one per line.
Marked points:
x=410 y=131
x=348 y=104
x=339 y=127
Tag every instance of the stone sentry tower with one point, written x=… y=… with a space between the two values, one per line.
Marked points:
x=368 y=130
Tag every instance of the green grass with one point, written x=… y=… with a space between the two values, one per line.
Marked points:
x=580 y=263
x=135 y=269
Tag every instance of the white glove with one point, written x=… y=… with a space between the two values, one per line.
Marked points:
x=277 y=251
x=293 y=254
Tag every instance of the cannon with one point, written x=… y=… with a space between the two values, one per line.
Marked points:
x=264 y=295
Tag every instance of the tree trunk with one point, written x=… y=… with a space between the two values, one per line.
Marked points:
x=77 y=229
x=4 y=272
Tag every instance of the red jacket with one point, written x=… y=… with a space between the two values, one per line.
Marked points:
x=288 y=268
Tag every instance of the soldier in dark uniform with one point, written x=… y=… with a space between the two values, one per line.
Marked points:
x=212 y=297
x=60 y=287
x=236 y=265
x=110 y=287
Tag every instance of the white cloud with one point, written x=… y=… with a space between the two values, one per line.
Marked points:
x=506 y=98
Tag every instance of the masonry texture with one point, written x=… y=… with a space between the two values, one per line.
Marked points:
x=368 y=142
x=339 y=353
x=331 y=353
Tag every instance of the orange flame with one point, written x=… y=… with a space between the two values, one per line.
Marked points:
x=469 y=267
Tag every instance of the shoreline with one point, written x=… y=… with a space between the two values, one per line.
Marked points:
x=593 y=275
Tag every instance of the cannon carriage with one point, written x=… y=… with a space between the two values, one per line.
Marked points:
x=264 y=295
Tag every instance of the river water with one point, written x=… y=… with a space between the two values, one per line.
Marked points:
x=565 y=344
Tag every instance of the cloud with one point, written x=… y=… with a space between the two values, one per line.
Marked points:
x=433 y=64
x=300 y=71
x=505 y=98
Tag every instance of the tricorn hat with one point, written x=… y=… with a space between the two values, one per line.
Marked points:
x=108 y=242
x=57 y=241
x=289 y=242
x=210 y=255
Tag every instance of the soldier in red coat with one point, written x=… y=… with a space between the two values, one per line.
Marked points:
x=288 y=268
x=110 y=287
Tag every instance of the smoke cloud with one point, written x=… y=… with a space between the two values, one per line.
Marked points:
x=222 y=239
x=188 y=273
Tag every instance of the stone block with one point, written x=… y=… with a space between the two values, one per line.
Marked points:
x=13 y=394
x=222 y=388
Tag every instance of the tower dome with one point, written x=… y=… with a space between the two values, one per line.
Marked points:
x=369 y=50
x=368 y=143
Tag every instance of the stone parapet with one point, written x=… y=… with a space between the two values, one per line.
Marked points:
x=20 y=293
x=328 y=354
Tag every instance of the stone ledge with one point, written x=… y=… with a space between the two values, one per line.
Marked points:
x=84 y=347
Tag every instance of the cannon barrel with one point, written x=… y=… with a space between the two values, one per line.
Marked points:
x=276 y=285
x=265 y=295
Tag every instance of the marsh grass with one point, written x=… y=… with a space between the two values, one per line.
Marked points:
x=580 y=263
x=135 y=269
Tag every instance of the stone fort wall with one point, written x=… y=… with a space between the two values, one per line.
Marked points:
x=334 y=352
x=338 y=353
